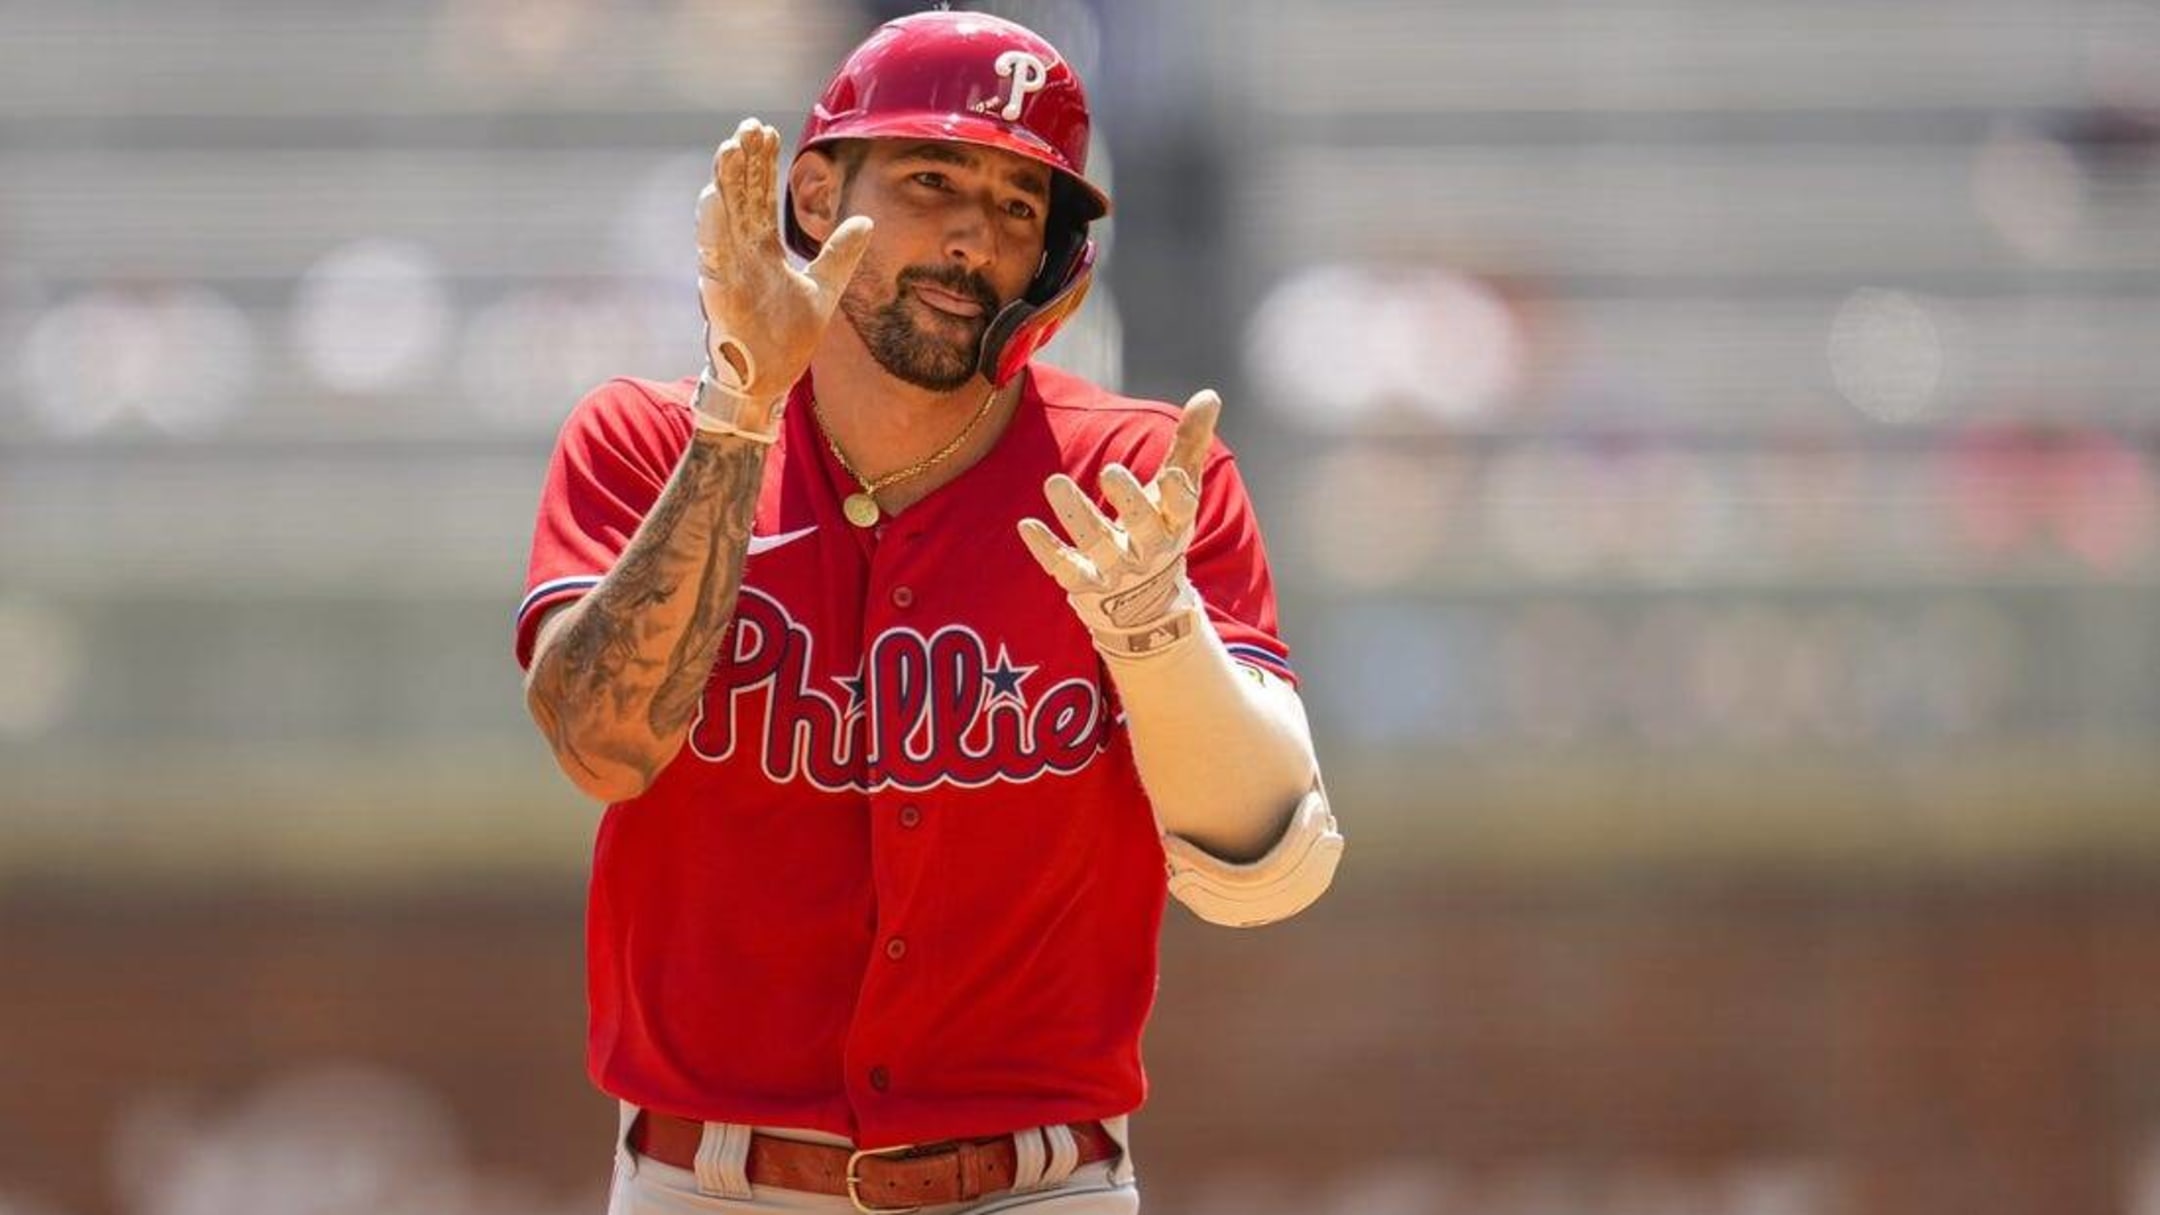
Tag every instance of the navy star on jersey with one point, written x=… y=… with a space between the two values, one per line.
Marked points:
x=1005 y=679
x=853 y=684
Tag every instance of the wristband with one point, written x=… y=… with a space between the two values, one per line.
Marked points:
x=710 y=423
x=1129 y=639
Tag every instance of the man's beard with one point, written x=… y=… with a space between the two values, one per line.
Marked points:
x=908 y=351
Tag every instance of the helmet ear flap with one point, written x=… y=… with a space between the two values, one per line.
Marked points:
x=1027 y=324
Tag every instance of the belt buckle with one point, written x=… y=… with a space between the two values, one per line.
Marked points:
x=854 y=1196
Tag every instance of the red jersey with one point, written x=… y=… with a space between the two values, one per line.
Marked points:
x=901 y=883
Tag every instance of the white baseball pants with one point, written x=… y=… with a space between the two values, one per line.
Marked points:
x=718 y=1185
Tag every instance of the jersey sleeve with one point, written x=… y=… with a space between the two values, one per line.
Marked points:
x=1228 y=565
x=613 y=456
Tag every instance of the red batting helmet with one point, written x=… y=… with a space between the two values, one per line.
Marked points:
x=978 y=79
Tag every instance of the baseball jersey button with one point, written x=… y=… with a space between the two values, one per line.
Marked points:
x=902 y=597
x=896 y=948
x=879 y=1079
x=910 y=815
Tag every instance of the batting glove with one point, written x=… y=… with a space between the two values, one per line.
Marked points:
x=1126 y=579
x=763 y=318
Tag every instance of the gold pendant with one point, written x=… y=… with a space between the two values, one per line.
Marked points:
x=861 y=510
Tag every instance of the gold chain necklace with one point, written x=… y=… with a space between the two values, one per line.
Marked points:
x=861 y=507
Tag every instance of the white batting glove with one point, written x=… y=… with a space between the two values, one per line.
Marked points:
x=1126 y=580
x=763 y=318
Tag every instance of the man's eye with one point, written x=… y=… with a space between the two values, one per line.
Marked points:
x=1020 y=210
x=934 y=180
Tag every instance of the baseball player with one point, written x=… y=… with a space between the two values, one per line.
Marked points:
x=899 y=777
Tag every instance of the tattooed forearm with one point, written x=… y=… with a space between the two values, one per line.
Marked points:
x=733 y=477
x=615 y=688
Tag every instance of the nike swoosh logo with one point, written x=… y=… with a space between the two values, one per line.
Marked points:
x=766 y=544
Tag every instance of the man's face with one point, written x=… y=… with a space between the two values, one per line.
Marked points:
x=959 y=234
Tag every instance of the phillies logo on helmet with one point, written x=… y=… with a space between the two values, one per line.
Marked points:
x=927 y=710
x=1028 y=74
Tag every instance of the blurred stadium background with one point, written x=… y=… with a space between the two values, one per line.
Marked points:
x=1709 y=453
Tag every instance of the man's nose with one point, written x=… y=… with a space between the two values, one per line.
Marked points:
x=972 y=240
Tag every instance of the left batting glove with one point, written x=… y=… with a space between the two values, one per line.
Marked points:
x=1126 y=580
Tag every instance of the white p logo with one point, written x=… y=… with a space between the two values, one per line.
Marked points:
x=1028 y=75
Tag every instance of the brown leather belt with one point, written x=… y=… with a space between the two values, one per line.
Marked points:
x=888 y=1179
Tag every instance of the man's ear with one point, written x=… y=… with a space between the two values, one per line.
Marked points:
x=815 y=181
